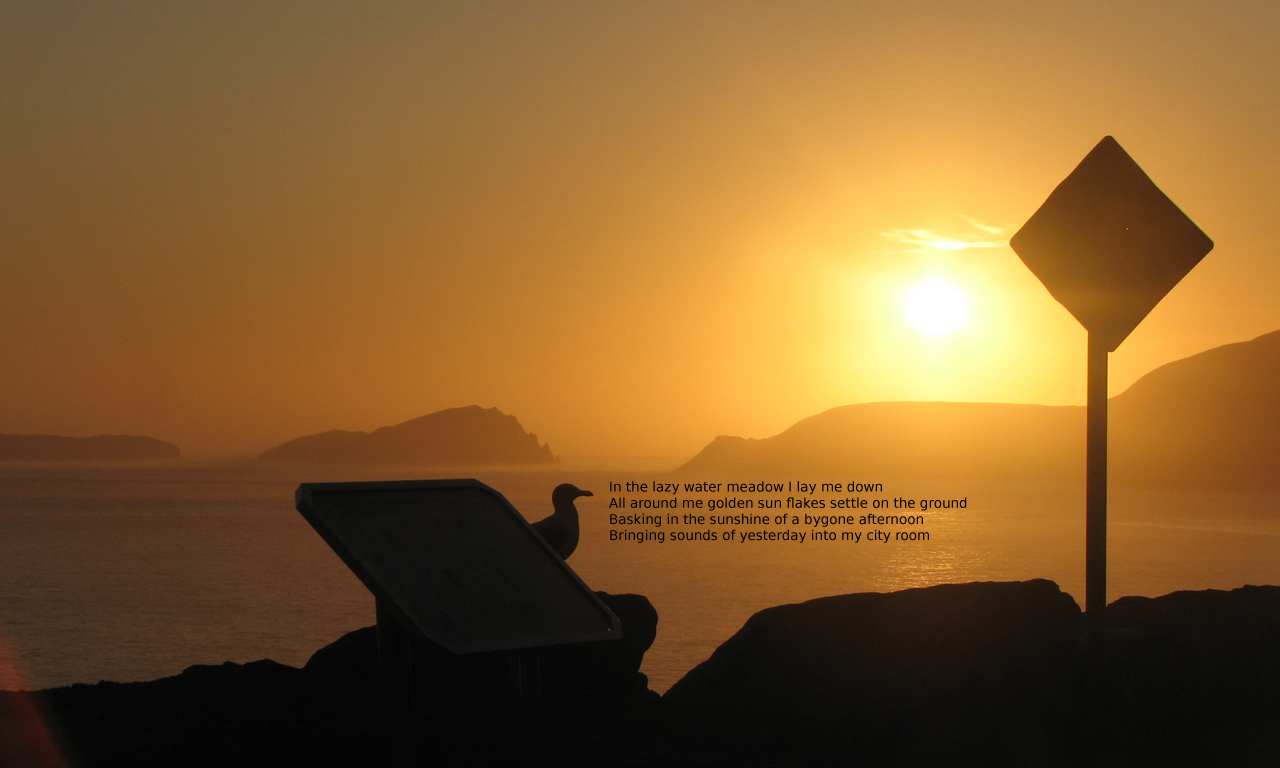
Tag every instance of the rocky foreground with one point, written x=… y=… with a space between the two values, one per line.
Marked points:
x=984 y=674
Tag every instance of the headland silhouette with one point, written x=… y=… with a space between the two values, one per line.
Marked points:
x=97 y=448
x=1206 y=421
x=469 y=436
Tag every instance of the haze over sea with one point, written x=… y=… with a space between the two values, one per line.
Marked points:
x=135 y=572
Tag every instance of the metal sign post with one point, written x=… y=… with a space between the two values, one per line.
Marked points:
x=1095 y=498
x=1108 y=244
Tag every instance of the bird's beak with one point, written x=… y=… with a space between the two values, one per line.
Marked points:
x=585 y=493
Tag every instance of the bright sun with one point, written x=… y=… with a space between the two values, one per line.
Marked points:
x=935 y=307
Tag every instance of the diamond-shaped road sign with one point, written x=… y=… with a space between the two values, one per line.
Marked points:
x=1108 y=244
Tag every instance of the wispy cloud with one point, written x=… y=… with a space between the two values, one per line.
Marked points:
x=926 y=241
x=990 y=230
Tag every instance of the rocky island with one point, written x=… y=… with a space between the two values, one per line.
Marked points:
x=470 y=436
x=97 y=448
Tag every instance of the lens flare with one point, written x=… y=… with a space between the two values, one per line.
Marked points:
x=25 y=738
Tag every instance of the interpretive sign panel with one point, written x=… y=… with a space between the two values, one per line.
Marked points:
x=458 y=561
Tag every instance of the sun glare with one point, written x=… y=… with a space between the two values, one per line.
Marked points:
x=935 y=307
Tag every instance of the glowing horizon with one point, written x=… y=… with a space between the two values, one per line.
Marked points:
x=635 y=228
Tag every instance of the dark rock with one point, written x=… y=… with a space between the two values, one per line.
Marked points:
x=992 y=674
x=971 y=669
x=564 y=670
x=596 y=703
x=261 y=713
x=606 y=666
x=590 y=695
x=1197 y=650
x=1195 y=676
x=639 y=626
x=986 y=674
x=354 y=656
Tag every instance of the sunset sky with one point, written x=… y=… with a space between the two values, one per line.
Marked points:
x=634 y=226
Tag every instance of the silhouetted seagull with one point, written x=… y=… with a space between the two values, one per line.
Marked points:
x=560 y=530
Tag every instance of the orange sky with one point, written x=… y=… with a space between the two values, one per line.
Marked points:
x=633 y=226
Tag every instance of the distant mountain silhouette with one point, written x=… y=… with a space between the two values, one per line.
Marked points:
x=878 y=440
x=98 y=448
x=1207 y=421
x=1210 y=420
x=457 y=436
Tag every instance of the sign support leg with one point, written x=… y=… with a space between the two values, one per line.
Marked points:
x=1095 y=572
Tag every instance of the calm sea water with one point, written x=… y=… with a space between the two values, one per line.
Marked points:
x=133 y=573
